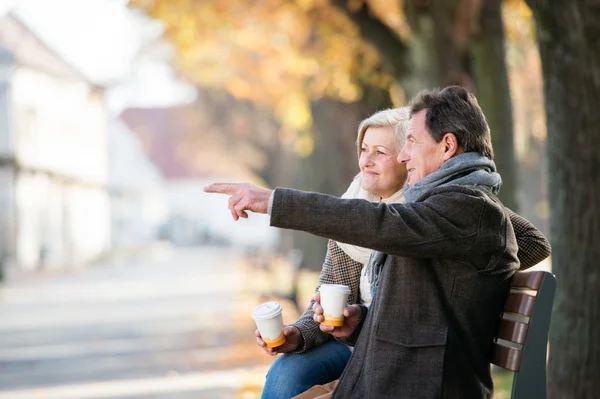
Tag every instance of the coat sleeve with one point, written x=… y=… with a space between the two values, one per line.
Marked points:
x=445 y=224
x=533 y=246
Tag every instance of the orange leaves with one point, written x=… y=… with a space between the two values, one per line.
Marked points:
x=293 y=110
x=239 y=88
x=518 y=22
x=267 y=50
x=281 y=54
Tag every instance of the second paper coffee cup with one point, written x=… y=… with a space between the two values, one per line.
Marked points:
x=269 y=322
x=334 y=298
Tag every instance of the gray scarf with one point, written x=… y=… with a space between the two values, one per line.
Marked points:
x=467 y=169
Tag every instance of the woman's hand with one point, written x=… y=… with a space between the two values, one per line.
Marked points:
x=293 y=341
x=352 y=316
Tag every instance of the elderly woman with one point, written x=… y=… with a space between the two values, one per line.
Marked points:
x=310 y=356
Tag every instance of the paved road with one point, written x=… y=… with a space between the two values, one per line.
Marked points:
x=173 y=325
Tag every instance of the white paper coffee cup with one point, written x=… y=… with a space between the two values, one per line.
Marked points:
x=334 y=298
x=269 y=322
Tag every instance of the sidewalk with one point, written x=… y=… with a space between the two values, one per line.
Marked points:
x=174 y=325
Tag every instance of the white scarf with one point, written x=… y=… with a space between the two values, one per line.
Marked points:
x=355 y=190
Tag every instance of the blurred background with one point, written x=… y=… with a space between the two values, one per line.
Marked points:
x=120 y=277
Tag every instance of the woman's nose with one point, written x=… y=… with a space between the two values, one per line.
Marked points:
x=366 y=160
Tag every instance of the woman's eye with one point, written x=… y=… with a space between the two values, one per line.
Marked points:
x=380 y=153
x=363 y=149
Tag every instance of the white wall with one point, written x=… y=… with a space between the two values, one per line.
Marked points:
x=59 y=125
x=138 y=203
x=59 y=140
x=68 y=223
x=5 y=148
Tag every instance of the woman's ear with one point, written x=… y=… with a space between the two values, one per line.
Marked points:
x=450 y=146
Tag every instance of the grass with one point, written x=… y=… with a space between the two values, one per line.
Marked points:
x=503 y=380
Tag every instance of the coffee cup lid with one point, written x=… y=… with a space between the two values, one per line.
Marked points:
x=343 y=289
x=266 y=311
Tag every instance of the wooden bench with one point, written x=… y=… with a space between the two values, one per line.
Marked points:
x=522 y=339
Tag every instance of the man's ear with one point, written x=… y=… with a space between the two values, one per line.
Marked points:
x=450 y=146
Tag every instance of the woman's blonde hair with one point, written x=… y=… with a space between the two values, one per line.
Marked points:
x=394 y=117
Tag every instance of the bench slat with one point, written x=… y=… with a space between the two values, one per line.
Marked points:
x=519 y=303
x=531 y=280
x=507 y=358
x=513 y=331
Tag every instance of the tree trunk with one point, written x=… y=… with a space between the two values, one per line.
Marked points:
x=493 y=93
x=390 y=47
x=569 y=41
x=453 y=27
x=476 y=61
x=424 y=66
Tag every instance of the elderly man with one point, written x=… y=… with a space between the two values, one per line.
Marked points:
x=442 y=272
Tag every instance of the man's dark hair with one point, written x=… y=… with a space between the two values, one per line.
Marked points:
x=455 y=110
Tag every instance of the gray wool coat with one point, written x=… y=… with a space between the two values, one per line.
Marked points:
x=406 y=347
x=339 y=268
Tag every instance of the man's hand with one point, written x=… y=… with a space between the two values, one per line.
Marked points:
x=352 y=317
x=243 y=197
x=293 y=340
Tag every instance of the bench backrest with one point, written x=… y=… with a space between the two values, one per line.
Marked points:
x=522 y=338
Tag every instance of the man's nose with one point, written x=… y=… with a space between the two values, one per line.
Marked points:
x=403 y=156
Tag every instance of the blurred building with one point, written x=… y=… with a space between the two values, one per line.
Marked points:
x=54 y=203
x=138 y=203
x=194 y=217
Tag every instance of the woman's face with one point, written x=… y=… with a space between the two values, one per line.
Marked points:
x=382 y=174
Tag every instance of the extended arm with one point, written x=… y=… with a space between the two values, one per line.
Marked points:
x=447 y=223
x=452 y=221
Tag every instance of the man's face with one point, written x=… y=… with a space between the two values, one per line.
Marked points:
x=421 y=154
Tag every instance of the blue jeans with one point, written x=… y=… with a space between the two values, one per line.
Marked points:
x=293 y=373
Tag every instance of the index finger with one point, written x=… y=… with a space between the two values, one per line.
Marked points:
x=222 y=188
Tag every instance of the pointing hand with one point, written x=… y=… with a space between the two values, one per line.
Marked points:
x=243 y=197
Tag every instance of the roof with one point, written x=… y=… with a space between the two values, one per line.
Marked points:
x=26 y=48
x=161 y=134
